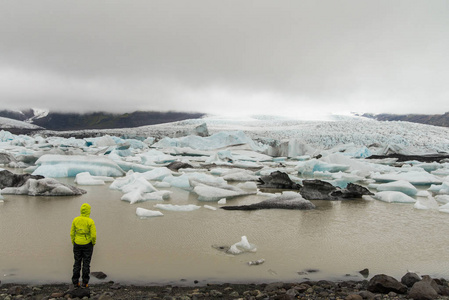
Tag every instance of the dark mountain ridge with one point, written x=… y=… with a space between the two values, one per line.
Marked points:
x=98 y=120
x=436 y=120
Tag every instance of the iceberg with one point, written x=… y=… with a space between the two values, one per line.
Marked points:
x=157 y=174
x=444 y=208
x=146 y=213
x=242 y=246
x=211 y=193
x=442 y=198
x=442 y=189
x=393 y=197
x=53 y=166
x=172 y=207
x=44 y=187
x=218 y=140
x=414 y=177
x=314 y=165
x=140 y=196
x=400 y=186
x=426 y=203
x=85 y=178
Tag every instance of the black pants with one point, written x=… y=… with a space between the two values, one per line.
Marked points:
x=82 y=254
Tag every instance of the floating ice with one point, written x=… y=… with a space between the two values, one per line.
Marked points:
x=250 y=185
x=140 y=184
x=393 y=197
x=154 y=157
x=426 y=203
x=222 y=201
x=313 y=165
x=85 y=178
x=442 y=189
x=140 y=196
x=69 y=165
x=242 y=246
x=171 y=207
x=218 y=140
x=240 y=175
x=44 y=187
x=209 y=207
x=444 y=208
x=210 y=193
x=157 y=174
x=400 y=186
x=442 y=198
x=146 y=213
x=414 y=177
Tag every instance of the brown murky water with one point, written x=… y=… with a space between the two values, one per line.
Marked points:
x=337 y=238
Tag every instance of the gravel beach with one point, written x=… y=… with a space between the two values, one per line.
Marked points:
x=410 y=286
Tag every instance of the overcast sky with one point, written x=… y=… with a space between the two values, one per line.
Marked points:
x=233 y=57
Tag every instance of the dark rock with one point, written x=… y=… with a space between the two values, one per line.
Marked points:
x=423 y=290
x=9 y=179
x=327 y=284
x=116 y=286
x=281 y=202
x=79 y=293
x=98 y=275
x=354 y=297
x=410 y=279
x=15 y=290
x=274 y=286
x=321 y=190
x=277 y=180
x=367 y=295
x=384 y=284
x=364 y=272
x=176 y=165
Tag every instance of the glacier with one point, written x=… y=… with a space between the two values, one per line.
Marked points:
x=228 y=163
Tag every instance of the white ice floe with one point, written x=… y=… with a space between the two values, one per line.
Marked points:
x=147 y=213
x=414 y=177
x=426 y=203
x=210 y=207
x=212 y=193
x=242 y=246
x=442 y=198
x=400 y=186
x=70 y=165
x=250 y=185
x=444 y=208
x=157 y=174
x=140 y=196
x=314 y=165
x=85 y=178
x=442 y=189
x=393 y=197
x=173 y=207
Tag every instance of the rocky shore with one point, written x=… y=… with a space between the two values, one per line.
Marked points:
x=410 y=286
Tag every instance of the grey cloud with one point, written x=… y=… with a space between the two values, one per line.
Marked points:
x=302 y=53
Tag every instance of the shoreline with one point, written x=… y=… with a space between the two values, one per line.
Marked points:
x=380 y=286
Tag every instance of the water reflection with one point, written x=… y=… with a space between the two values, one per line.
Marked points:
x=337 y=238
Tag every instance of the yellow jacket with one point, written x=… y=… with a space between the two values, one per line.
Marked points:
x=83 y=229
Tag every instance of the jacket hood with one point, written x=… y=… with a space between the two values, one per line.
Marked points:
x=85 y=210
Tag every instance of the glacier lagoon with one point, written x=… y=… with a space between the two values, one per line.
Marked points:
x=338 y=238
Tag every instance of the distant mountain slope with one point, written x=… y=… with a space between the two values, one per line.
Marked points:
x=436 y=120
x=8 y=123
x=98 y=120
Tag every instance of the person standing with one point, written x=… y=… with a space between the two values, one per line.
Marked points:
x=84 y=236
